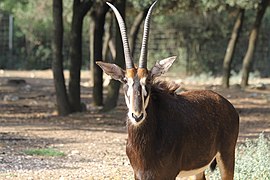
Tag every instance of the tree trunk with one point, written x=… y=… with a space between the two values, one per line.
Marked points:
x=75 y=63
x=99 y=20
x=107 y=39
x=247 y=62
x=114 y=86
x=63 y=106
x=79 y=11
x=231 y=48
x=135 y=30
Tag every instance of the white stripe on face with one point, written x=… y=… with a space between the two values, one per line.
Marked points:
x=143 y=82
x=129 y=95
x=130 y=100
x=144 y=93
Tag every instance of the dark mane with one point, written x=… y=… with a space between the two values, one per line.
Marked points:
x=165 y=87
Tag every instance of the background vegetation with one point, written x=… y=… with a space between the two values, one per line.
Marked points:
x=252 y=160
x=203 y=34
x=32 y=35
x=198 y=36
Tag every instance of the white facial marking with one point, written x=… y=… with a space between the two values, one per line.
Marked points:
x=127 y=101
x=129 y=98
x=129 y=92
x=146 y=102
x=144 y=93
x=143 y=82
x=130 y=83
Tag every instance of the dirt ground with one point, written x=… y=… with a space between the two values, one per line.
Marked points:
x=93 y=143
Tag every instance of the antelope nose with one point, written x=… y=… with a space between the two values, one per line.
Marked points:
x=136 y=117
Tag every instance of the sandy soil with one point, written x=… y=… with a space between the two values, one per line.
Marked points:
x=93 y=143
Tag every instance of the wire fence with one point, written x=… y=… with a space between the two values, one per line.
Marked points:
x=5 y=46
x=17 y=52
x=203 y=55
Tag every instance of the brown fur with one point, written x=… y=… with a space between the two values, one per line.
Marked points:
x=165 y=87
x=142 y=72
x=177 y=131
x=130 y=73
x=183 y=132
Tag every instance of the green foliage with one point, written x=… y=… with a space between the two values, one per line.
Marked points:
x=33 y=34
x=165 y=7
x=202 y=30
x=34 y=20
x=11 y=5
x=44 y=152
x=141 y=4
x=245 y=4
x=39 y=58
x=222 y=5
x=252 y=160
x=197 y=38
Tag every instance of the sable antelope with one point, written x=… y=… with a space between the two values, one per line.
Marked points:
x=172 y=133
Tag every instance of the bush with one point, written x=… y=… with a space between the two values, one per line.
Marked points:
x=252 y=160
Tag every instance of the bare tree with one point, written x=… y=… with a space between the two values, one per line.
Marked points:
x=247 y=62
x=114 y=86
x=80 y=9
x=63 y=106
x=133 y=36
x=231 y=48
x=98 y=17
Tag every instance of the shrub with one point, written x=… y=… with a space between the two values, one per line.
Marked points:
x=252 y=160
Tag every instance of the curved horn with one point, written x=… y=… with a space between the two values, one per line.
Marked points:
x=121 y=23
x=143 y=56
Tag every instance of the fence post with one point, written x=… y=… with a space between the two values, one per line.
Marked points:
x=10 y=33
x=10 y=42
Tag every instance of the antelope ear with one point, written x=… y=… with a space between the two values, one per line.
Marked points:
x=112 y=70
x=162 y=66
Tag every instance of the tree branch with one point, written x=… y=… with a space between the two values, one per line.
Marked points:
x=135 y=29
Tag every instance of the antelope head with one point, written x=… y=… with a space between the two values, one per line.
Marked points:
x=137 y=80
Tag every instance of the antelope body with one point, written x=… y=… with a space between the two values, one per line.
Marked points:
x=172 y=133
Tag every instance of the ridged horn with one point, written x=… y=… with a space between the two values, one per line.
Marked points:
x=144 y=48
x=123 y=31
